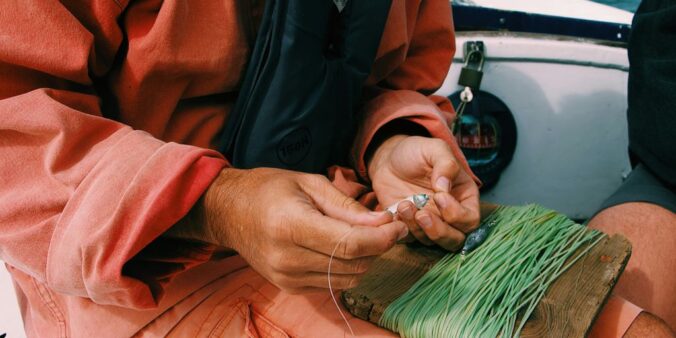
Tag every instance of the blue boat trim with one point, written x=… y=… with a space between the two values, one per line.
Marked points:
x=470 y=18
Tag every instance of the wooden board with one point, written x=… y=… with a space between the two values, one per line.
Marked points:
x=567 y=309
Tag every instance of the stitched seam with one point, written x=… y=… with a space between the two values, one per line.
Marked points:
x=227 y=318
x=48 y=300
x=271 y=329
x=224 y=298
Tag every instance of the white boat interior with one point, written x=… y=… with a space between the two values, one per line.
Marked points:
x=568 y=99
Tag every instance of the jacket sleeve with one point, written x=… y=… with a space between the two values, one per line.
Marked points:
x=413 y=59
x=82 y=196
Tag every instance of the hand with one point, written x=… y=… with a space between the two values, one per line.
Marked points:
x=406 y=165
x=286 y=225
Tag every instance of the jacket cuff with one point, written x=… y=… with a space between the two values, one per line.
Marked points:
x=134 y=193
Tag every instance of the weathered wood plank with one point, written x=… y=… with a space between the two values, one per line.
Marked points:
x=568 y=308
x=575 y=299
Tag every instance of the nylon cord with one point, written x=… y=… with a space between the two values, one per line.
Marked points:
x=335 y=302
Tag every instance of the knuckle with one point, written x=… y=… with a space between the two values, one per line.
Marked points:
x=285 y=283
x=434 y=236
x=449 y=215
x=361 y=266
x=351 y=249
x=453 y=164
x=389 y=243
x=317 y=179
x=348 y=202
x=279 y=262
x=277 y=279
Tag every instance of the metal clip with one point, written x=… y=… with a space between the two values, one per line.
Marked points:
x=472 y=50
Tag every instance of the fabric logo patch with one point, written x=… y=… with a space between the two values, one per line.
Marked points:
x=295 y=146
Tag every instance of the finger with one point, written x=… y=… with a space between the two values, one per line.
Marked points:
x=438 y=156
x=293 y=284
x=371 y=241
x=439 y=231
x=463 y=218
x=333 y=203
x=444 y=166
x=466 y=192
x=305 y=260
x=302 y=290
x=321 y=280
x=330 y=236
x=408 y=239
x=406 y=213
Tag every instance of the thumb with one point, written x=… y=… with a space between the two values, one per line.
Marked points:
x=333 y=203
x=444 y=165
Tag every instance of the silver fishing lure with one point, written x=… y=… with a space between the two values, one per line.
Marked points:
x=419 y=200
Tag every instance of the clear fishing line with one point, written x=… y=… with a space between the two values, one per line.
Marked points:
x=328 y=277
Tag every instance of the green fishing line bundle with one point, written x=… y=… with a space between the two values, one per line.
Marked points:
x=493 y=290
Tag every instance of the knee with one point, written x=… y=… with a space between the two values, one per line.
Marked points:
x=632 y=217
x=648 y=325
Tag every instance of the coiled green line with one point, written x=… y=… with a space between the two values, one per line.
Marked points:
x=493 y=290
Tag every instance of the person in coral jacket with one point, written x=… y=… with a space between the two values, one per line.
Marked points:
x=118 y=219
x=108 y=115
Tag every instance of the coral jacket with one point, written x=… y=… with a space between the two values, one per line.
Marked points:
x=108 y=114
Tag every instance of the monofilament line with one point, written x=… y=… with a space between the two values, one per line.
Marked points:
x=335 y=302
x=492 y=291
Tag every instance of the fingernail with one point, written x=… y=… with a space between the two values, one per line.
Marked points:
x=377 y=213
x=403 y=233
x=442 y=184
x=441 y=201
x=406 y=208
x=425 y=220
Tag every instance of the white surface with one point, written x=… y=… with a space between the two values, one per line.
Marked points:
x=580 y=9
x=571 y=119
x=10 y=317
x=544 y=48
